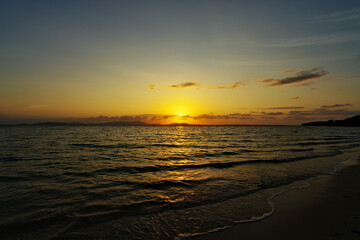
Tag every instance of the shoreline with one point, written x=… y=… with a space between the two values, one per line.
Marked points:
x=327 y=209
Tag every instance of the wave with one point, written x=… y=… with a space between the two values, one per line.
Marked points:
x=302 y=149
x=11 y=179
x=91 y=145
x=322 y=143
x=270 y=202
x=353 y=145
x=21 y=158
x=181 y=183
x=218 y=165
x=159 y=145
x=164 y=184
x=223 y=153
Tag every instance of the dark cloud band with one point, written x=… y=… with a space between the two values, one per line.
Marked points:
x=300 y=76
x=184 y=85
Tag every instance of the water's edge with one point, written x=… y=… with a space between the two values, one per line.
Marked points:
x=301 y=184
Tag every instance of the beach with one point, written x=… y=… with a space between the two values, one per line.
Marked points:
x=328 y=209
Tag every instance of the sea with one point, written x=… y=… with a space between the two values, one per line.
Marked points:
x=155 y=182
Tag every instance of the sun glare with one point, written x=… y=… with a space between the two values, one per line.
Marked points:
x=180 y=115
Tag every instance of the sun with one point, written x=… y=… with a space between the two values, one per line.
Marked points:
x=180 y=115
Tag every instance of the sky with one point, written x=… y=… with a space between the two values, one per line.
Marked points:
x=193 y=61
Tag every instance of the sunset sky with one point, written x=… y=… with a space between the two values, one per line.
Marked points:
x=212 y=62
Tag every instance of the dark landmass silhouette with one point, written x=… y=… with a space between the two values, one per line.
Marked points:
x=348 y=122
x=125 y=123
x=136 y=123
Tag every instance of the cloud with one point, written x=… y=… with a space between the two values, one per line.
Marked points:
x=185 y=85
x=336 y=105
x=319 y=115
x=273 y=113
x=296 y=98
x=300 y=70
x=267 y=80
x=225 y=116
x=341 y=16
x=300 y=76
x=318 y=40
x=123 y=118
x=238 y=116
x=152 y=86
x=326 y=112
x=232 y=86
x=283 y=108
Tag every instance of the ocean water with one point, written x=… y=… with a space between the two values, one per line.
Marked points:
x=154 y=182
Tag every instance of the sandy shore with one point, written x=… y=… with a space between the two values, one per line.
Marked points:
x=328 y=209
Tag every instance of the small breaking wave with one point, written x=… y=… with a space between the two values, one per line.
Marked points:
x=270 y=202
x=218 y=165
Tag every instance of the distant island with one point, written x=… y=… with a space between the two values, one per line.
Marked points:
x=135 y=123
x=124 y=123
x=348 y=122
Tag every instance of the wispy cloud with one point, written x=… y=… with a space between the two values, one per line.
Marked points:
x=283 y=108
x=300 y=76
x=342 y=16
x=297 y=71
x=319 y=39
x=296 y=98
x=336 y=105
x=225 y=116
x=184 y=85
x=232 y=86
x=124 y=118
x=152 y=86
x=325 y=112
x=256 y=113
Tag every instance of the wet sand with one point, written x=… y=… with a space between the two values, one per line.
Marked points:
x=328 y=209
